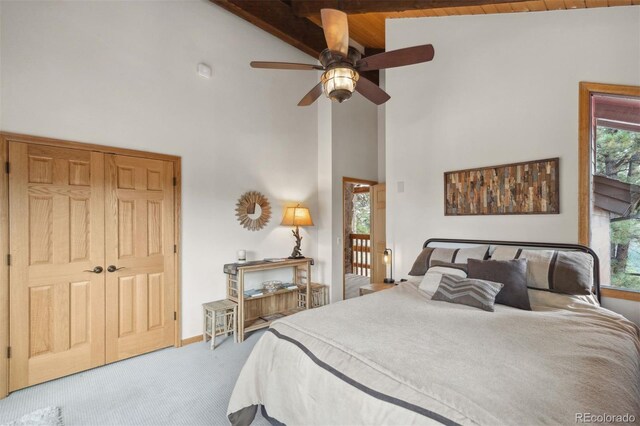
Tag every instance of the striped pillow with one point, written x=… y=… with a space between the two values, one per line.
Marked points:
x=428 y=255
x=467 y=291
x=559 y=271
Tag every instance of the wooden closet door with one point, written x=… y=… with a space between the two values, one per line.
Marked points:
x=140 y=243
x=57 y=235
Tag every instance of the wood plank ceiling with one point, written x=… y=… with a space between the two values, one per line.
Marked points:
x=297 y=22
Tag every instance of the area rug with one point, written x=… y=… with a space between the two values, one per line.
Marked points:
x=50 y=416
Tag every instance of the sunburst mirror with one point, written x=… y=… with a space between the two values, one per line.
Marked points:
x=253 y=210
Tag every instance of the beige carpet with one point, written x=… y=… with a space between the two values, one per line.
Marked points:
x=187 y=386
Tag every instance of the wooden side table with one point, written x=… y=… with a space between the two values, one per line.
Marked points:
x=373 y=287
x=220 y=318
x=257 y=312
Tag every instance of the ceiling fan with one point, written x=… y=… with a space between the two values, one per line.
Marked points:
x=342 y=64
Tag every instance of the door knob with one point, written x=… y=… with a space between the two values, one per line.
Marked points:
x=112 y=268
x=96 y=270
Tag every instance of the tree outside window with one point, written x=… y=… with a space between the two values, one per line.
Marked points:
x=617 y=157
x=361 y=213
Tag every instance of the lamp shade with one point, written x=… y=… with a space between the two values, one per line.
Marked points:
x=386 y=258
x=297 y=216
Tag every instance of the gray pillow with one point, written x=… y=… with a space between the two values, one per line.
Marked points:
x=511 y=273
x=421 y=263
x=467 y=291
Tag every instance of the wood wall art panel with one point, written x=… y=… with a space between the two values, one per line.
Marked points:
x=519 y=188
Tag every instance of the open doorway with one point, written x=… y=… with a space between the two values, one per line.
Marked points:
x=356 y=224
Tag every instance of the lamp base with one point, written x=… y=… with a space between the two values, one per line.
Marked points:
x=389 y=281
x=297 y=257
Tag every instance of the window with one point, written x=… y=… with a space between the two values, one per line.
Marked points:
x=610 y=182
x=615 y=215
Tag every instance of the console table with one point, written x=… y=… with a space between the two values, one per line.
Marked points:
x=252 y=310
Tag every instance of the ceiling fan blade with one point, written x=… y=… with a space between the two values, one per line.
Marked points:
x=311 y=97
x=397 y=58
x=284 y=66
x=336 y=30
x=371 y=91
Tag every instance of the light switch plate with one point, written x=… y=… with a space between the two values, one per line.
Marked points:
x=400 y=186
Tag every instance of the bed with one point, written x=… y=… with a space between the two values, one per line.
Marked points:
x=407 y=359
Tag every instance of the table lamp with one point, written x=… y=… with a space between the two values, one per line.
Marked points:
x=388 y=261
x=297 y=216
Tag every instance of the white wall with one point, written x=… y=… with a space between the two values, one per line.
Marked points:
x=502 y=88
x=347 y=147
x=124 y=74
x=324 y=218
x=354 y=154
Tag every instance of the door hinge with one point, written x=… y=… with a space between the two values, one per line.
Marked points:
x=9 y=260
x=175 y=316
x=175 y=248
x=175 y=181
x=8 y=352
x=7 y=167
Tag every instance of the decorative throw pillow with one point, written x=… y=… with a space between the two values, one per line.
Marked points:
x=511 y=273
x=428 y=255
x=421 y=263
x=467 y=291
x=560 y=271
x=431 y=279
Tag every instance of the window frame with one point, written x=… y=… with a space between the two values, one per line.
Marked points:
x=587 y=89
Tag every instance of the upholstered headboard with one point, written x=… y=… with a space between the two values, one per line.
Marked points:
x=449 y=242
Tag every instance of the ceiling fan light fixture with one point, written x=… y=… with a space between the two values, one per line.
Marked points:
x=341 y=63
x=339 y=83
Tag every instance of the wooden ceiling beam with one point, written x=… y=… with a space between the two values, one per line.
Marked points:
x=308 y=8
x=277 y=18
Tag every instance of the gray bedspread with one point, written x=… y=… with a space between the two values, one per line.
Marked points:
x=397 y=357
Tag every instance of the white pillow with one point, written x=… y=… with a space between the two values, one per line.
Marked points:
x=431 y=279
x=415 y=279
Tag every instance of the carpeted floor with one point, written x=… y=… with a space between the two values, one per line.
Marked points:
x=187 y=386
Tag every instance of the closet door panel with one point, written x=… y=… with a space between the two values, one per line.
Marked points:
x=139 y=243
x=57 y=234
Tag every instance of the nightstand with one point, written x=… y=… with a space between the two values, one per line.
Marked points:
x=373 y=287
